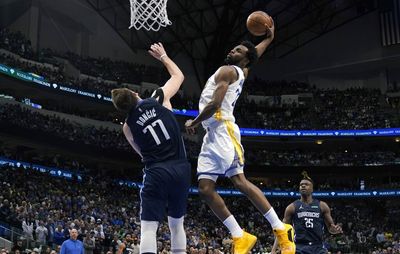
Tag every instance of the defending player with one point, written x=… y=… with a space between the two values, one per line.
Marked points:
x=222 y=153
x=308 y=217
x=154 y=133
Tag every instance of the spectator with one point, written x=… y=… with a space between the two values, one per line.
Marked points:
x=72 y=245
x=59 y=237
x=41 y=233
x=88 y=244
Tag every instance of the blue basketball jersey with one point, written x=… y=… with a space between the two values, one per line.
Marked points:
x=156 y=131
x=308 y=222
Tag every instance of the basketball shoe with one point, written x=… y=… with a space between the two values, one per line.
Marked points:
x=242 y=245
x=286 y=239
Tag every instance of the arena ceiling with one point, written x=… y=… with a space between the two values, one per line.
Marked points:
x=206 y=29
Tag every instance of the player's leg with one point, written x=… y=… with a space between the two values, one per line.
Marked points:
x=148 y=236
x=212 y=198
x=236 y=174
x=152 y=203
x=178 y=190
x=255 y=195
x=209 y=167
x=214 y=159
x=243 y=242
x=208 y=170
x=283 y=232
x=178 y=235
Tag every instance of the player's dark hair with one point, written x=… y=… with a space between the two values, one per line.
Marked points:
x=123 y=99
x=307 y=177
x=251 y=52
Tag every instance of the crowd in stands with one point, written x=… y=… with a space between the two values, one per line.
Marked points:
x=107 y=139
x=322 y=158
x=56 y=75
x=355 y=108
x=116 y=70
x=16 y=42
x=45 y=208
x=259 y=86
x=329 y=109
x=100 y=68
x=62 y=128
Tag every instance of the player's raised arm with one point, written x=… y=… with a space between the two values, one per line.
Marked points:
x=223 y=79
x=263 y=45
x=172 y=86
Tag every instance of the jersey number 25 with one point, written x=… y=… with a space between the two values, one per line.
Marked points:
x=309 y=222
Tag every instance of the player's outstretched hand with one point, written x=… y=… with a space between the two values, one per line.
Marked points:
x=157 y=51
x=190 y=127
x=335 y=229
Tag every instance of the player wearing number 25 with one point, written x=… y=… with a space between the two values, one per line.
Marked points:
x=152 y=130
x=309 y=216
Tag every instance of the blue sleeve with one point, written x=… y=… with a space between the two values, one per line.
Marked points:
x=62 y=251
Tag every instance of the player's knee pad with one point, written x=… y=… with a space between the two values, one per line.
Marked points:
x=148 y=241
x=178 y=235
x=175 y=223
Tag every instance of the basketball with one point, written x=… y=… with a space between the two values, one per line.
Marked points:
x=256 y=23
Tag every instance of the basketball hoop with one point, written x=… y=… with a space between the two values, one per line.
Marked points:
x=149 y=14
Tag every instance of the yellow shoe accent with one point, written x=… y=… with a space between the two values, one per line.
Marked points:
x=286 y=239
x=242 y=245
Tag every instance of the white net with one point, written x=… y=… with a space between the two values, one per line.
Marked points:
x=149 y=14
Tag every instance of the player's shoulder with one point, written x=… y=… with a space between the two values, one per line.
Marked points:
x=296 y=202
x=292 y=206
x=227 y=69
x=227 y=72
x=323 y=205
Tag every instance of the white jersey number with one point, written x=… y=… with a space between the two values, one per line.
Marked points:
x=309 y=222
x=153 y=132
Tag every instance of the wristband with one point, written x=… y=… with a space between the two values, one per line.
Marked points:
x=162 y=56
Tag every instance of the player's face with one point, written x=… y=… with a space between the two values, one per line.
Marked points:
x=236 y=55
x=306 y=187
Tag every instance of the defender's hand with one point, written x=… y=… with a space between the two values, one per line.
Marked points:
x=157 y=51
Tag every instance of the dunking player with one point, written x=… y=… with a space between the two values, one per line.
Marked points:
x=154 y=133
x=308 y=216
x=222 y=153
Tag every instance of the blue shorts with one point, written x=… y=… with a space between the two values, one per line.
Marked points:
x=165 y=188
x=310 y=249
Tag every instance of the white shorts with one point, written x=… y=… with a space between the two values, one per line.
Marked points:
x=222 y=153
